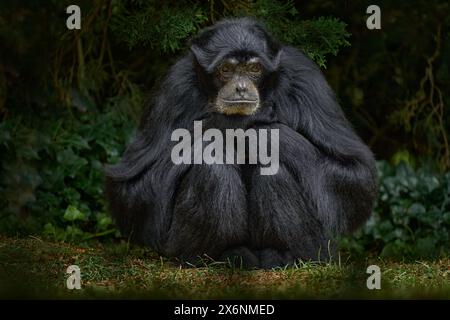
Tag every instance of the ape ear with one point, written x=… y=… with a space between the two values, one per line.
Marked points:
x=202 y=67
x=196 y=51
x=200 y=56
x=207 y=60
x=270 y=63
x=276 y=60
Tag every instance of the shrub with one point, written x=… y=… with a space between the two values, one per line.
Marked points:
x=412 y=215
x=52 y=174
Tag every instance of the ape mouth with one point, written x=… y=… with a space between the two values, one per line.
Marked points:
x=239 y=107
x=241 y=101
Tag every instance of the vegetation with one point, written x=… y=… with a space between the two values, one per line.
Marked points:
x=36 y=269
x=412 y=216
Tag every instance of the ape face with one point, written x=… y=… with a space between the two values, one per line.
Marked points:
x=235 y=64
x=238 y=81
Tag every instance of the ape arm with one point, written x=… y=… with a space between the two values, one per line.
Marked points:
x=347 y=186
x=141 y=187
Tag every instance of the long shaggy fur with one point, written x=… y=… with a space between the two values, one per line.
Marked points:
x=325 y=186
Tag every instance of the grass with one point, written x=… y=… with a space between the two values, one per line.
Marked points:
x=34 y=268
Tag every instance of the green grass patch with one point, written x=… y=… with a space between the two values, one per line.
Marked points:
x=33 y=268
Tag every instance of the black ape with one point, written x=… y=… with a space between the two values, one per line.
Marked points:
x=237 y=76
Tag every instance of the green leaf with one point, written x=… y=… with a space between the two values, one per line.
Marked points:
x=71 y=162
x=446 y=217
x=417 y=209
x=72 y=214
x=76 y=141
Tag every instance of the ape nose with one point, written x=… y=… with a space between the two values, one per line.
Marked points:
x=241 y=88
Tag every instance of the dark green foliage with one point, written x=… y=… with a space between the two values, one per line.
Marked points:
x=167 y=28
x=412 y=216
x=52 y=174
x=161 y=28
x=395 y=81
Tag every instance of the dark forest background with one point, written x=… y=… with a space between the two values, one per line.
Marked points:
x=70 y=100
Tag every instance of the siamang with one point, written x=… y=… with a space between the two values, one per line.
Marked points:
x=237 y=76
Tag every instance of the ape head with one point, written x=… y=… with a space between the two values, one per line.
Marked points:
x=235 y=59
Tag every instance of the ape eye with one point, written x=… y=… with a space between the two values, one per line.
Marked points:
x=255 y=68
x=226 y=69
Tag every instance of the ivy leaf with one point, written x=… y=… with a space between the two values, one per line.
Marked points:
x=416 y=209
x=71 y=162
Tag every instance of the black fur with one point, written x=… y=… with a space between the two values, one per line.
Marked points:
x=325 y=186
